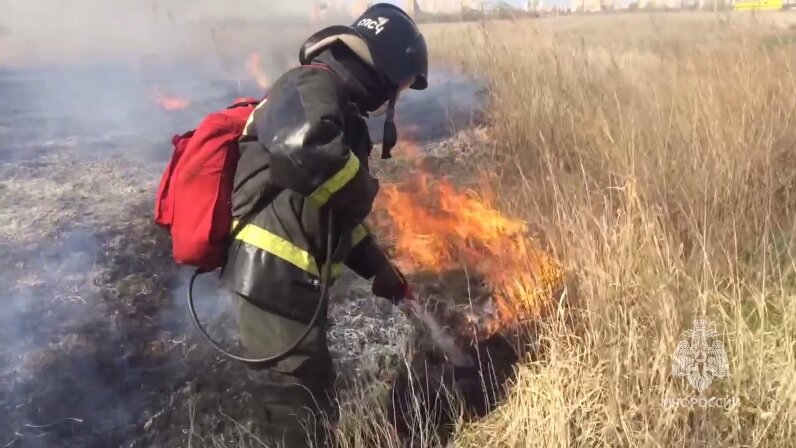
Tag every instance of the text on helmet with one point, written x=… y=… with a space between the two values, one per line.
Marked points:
x=377 y=25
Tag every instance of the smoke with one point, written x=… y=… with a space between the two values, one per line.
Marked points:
x=214 y=308
x=47 y=323
x=87 y=72
x=441 y=338
x=83 y=145
x=451 y=103
x=44 y=29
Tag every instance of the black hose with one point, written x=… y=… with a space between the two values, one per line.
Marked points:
x=326 y=279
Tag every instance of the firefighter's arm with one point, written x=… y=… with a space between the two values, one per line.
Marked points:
x=366 y=257
x=303 y=128
x=369 y=261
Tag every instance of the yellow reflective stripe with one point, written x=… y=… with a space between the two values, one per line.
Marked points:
x=359 y=234
x=278 y=246
x=282 y=248
x=335 y=183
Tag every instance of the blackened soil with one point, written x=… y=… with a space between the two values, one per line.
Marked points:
x=436 y=394
x=111 y=361
x=114 y=362
x=96 y=349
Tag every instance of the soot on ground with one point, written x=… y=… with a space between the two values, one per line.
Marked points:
x=98 y=350
x=434 y=392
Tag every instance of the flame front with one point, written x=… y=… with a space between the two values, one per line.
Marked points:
x=437 y=228
x=168 y=102
x=254 y=67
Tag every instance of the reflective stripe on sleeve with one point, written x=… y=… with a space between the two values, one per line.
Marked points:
x=321 y=195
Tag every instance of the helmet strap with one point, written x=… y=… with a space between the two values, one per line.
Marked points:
x=390 y=135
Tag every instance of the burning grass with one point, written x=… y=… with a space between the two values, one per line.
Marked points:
x=436 y=228
x=660 y=169
x=169 y=102
x=255 y=70
x=656 y=166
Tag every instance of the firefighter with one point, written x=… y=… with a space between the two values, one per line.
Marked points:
x=303 y=160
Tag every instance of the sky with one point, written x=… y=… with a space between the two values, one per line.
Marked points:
x=515 y=3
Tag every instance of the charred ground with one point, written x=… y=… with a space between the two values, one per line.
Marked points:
x=98 y=350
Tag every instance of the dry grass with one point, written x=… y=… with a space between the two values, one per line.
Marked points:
x=660 y=167
x=655 y=154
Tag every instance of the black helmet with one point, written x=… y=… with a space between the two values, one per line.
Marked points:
x=394 y=45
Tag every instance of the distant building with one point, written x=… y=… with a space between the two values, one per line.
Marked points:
x=473 y=5
x=587 y=5
x=438 y=6
x=441 y=6
x=759 y=5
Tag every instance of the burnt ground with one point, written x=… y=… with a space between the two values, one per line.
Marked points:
x=97 y=348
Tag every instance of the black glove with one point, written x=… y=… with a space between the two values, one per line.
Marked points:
x=390 y=283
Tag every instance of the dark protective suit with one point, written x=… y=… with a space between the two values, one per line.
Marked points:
x=304 y=154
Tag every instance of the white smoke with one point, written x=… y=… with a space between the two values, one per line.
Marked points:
x=43 y=30
x=443 y=340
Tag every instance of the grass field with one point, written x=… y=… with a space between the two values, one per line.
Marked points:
x=655 y=155
x=652 y=155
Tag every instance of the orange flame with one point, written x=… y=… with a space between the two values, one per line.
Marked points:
x=168 y=102
x=253 y=66
x=437 y=228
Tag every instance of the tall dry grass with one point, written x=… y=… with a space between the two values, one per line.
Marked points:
x=657 y=156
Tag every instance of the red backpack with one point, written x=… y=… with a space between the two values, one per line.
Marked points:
x=194 y=197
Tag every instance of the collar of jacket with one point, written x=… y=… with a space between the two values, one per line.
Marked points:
x=363 y=85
